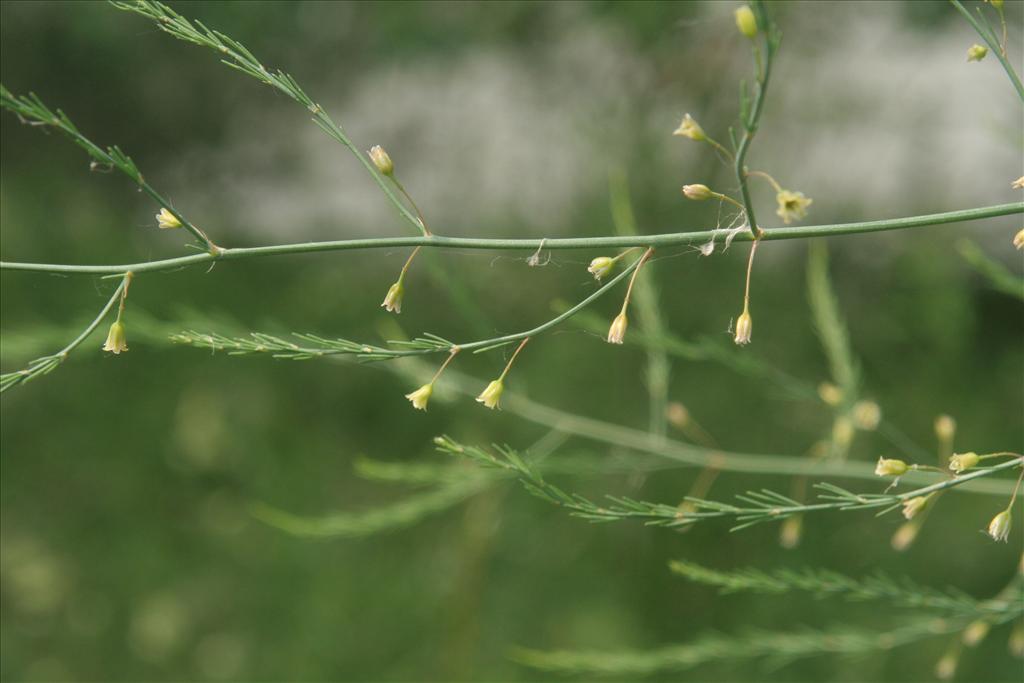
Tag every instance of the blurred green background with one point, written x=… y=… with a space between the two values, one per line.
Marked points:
x=128 y=552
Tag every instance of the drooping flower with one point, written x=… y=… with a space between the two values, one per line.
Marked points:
x=393 y=300
x=914 y=505
x=866 y=415
x=744 y=328
x=976 y=53
x=491 y=396
x=617 y=331
x=420 y=397
x=792 y=205
x=116 y=340
x=999 y=527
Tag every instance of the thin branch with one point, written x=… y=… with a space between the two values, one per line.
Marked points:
x=439 y=242
x=47 y=364
x=993 y=43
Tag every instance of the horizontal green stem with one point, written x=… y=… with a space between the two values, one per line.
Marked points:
x=439 y=242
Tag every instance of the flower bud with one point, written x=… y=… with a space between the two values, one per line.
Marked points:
x=945 y=668
x=866 y=415
x=690 y=129
x=116 y=340
x=1018 y=184
x=744 y=327
x=1015 y=644
x=677 y=415
x=745 y=21
x=945 y=428
x=999 y=527
x=617 y=331
x=381 y=160
x=998 y=4
x=890 y=467
x=697 y=192
x=830 y=393
x=601 y=266
x=492 y=394
x=975 y=632
x=914 y=505
x=963 y=461
x=420 y=397
x=789 y=534
x=842 y=431
x=976 y=53
x=1018 y=239
x=904 y=536
x=166 y=220
x=393 y=300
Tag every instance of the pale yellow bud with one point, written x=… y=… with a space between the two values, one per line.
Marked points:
x=677 y=415
x=999 y=527
x=1018 y=184
x=945 y=668
x=746 y=22
x=1016 y=642
x=789 y=535
x=830 y=393
x=393 y=300
x=975 y=632
x=420 y=397
x=617 y=331
x=491 y=396
x=904 y=536
x=866 y=415
x=945 y=428
x=381 y=160
x=976 y=53
x=842 y=431
x=166 y=220
x=963 y=461
x=1018 y=239
x=744 y=328
x=601 y=266
x=914 y=505
x=890 y=467
x=690 y=129
x=116 y=340
x=998 y=4
x=697 y=192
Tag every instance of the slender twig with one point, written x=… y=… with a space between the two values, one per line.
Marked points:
x=993 y=43
x=30 y=109
x=46 y=364
x=439 y=242
x=751 y=122
x=238 y=57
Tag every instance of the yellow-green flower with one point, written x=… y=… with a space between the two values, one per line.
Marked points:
x=601 y=266
x=116 y=340
x=963 y=461
x=491 y=396
x=744 y=328
x=976 y=53
x=690 y=129
x=166 y=220
x=999 y=527
x=420 y=397
x=617 y=331
x=393 y=300
x=697 y=192
x=792 y=205
x=381 y=160
x=890 y=467
x=745 y=21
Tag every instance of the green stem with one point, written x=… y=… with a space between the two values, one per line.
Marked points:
x=436 y=241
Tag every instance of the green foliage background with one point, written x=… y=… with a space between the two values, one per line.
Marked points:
x=128 y=550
